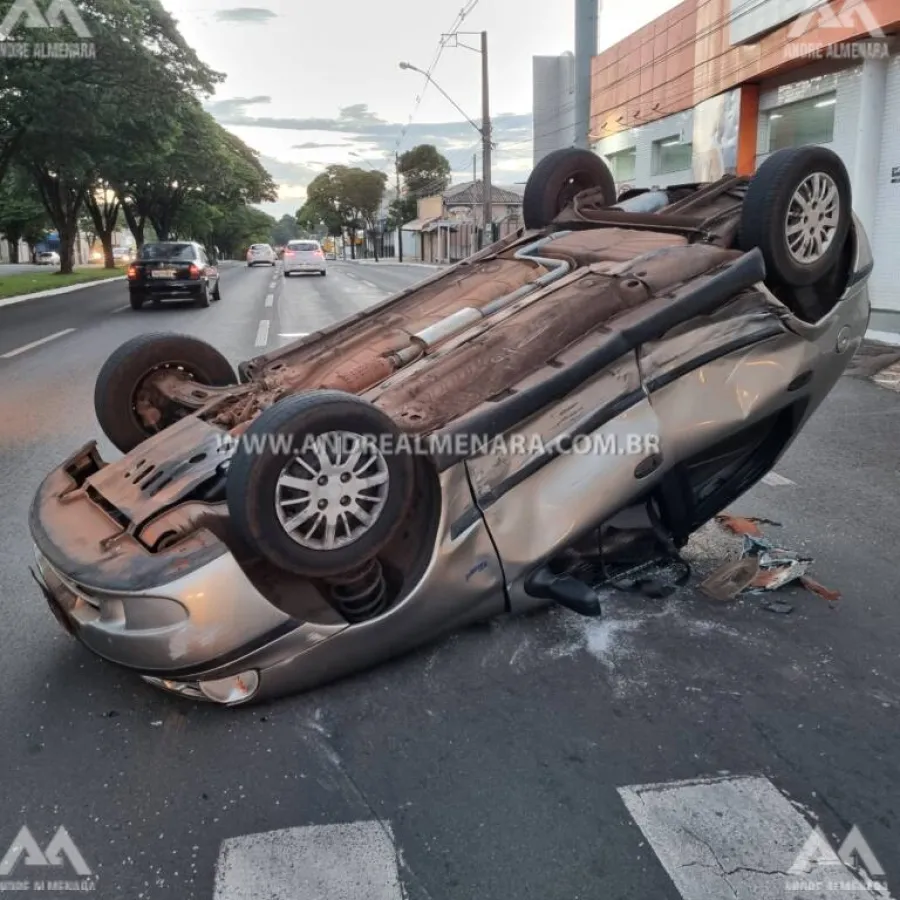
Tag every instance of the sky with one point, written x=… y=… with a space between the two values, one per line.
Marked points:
x=310 y=84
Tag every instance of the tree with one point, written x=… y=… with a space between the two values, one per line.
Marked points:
x=425 y=171
x=347 y=197
x=22 y=215
x=286 y=229
x=61 y=116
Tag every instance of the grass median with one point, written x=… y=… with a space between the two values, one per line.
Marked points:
x=33 y=282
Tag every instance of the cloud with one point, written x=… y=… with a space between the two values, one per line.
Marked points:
x=313 y=145
x=364 y=125
x=245 y=14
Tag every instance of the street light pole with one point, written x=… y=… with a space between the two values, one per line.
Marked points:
x=486 y=136
x=398 y=207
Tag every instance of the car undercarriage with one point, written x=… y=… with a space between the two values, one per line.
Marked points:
x=650 y=316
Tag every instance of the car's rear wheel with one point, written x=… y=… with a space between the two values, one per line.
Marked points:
x=129 y=407
x=320 y=483
x=216 y=294
x=798 y=212
x=202 y=298
x=137 y=301
x=558 y=178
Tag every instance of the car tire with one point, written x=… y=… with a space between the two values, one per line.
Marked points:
x=323 y=273
x=137 y=301
x=120 y=379
x=202 y=299
x=557 y=178
x=216 y=294
x=790 y=184
x=262 y=504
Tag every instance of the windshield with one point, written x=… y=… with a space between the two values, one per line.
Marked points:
x=166 y=251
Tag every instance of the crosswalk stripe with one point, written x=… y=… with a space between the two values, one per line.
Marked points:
x=734 y=837
x=355 y=861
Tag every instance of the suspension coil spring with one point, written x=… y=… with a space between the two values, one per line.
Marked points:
x=361 y=593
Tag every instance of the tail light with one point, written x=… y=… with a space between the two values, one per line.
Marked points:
x=193 y=272
x=288 y=252
x=132 y=272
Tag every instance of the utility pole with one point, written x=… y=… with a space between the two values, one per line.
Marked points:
x=398 y=208
x=486 y=134
x=473 y=242
x=587 y=19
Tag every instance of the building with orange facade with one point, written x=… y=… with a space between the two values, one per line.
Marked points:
x=713 y=86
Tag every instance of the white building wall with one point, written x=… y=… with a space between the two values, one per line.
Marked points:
x=642 y=138
x=884 y=290
x=845 y=84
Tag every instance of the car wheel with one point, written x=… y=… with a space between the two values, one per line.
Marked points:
x=323 y=273
x=216 y=294
x=798 y=212
x=558 y=178
x=329 y=487
x=202 y=299
x=124 y=398
x=137 y=301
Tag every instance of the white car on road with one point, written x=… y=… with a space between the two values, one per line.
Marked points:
x=261 y=254
x=304 y=256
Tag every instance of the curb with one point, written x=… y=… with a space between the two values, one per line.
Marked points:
x=53 y=292
x=883 y=337
x=392 y=262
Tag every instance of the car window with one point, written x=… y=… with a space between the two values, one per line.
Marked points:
x=303 y=245
x=167 y=251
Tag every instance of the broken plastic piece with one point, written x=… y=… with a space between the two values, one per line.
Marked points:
x=744 y=524
x=780 y=607
x=730 y=579
x=820 y=589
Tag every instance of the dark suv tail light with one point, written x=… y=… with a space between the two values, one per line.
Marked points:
x=132 y=272
x=194 y=272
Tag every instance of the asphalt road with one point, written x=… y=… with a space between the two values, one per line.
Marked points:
x=504 y=763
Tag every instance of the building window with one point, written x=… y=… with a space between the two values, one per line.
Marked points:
x=671 y=154
x=622 y=164
x=805 y=122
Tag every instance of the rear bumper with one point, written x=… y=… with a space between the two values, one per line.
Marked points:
x=165 y=287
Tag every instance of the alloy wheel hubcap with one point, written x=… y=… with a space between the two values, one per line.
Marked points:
x=333 y=491
x=812 y=218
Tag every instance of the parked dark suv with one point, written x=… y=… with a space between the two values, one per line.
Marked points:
x=175 y=269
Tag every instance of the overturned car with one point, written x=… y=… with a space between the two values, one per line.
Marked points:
x=620 y=366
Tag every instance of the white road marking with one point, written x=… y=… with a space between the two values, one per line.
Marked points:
x=357 y=861
x=270 y=299
x=122 y=308
x=733 y=837
x=294 y=334
x=773 y=479
x=46 y=340
x=262 y=333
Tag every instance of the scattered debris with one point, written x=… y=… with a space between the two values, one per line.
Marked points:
x=780 y=607
x=761 y=567
x=825 y=593
x=730 y=579
x=744 y=525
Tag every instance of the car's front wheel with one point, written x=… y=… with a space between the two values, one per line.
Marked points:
x=320 y=483
x=127 y=403
x=798 y=212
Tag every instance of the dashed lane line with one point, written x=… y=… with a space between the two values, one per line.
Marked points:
x=45 y=340
x=262 y=333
